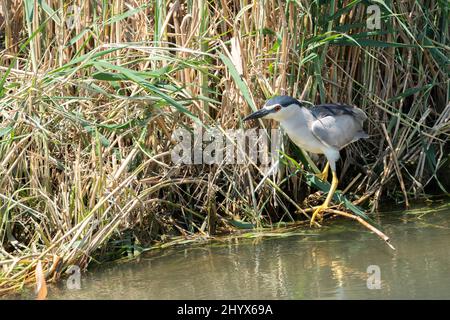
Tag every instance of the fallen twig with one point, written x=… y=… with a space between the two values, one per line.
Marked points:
x=365 y=224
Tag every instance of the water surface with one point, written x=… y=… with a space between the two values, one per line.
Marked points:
x=330 y=263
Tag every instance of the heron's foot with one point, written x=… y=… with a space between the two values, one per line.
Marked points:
x=320 y=209
x=318 y=213
x=322 y=176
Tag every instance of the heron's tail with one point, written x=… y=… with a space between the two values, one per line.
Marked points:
x=359 y=114
x=361 y=135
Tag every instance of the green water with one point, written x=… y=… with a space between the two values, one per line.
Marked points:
x=330 y=263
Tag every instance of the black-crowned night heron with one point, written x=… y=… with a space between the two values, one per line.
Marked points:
x=321 y=129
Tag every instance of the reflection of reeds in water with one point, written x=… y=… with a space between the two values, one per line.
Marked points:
x=90 y=94
x=332 y=264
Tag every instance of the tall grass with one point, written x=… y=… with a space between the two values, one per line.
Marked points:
x=90 y=93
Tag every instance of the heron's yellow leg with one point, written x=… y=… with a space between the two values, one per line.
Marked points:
x=325 y=205
x=324 y=174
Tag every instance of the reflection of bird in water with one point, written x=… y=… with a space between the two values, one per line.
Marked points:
x=322 y=129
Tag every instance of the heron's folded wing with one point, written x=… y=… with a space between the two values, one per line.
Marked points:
x=334 y=110
x=336 y=131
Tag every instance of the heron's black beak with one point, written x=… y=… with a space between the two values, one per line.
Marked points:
x=258 y=114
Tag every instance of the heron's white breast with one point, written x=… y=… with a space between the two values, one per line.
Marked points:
x=297 y=127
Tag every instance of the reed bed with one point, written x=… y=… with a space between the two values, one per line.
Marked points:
x=91 y=92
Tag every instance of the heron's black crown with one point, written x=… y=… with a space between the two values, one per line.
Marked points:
x=283 y=101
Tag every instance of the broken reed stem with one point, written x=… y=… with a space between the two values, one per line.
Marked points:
x=384 y=237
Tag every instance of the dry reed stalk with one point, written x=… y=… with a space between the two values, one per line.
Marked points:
x=384 y=237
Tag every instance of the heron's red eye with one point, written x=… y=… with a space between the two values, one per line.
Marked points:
x=277 y=108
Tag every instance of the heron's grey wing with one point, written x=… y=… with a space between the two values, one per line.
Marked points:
x=337 y=125
x=334 y=110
